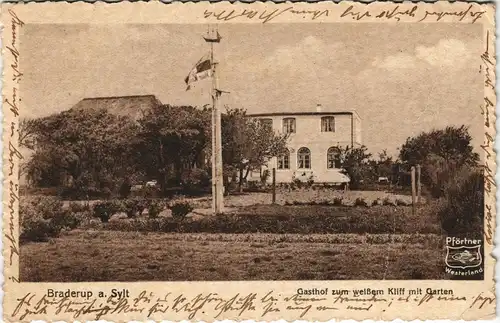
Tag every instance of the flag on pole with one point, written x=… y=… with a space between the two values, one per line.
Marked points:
x=202 y=70
x=212 y=39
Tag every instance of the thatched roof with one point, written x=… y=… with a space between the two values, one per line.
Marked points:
x=121 y=105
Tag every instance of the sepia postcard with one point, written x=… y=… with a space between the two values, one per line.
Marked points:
x=229 y=161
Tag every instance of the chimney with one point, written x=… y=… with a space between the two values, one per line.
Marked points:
x=319 y=107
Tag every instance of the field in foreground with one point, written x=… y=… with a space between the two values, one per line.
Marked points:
x=84 y=255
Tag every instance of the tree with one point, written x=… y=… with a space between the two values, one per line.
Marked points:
x=170 y=140
x=384 y=164
x=355 y=162
x=27 y=133
x=247 y=143
x=441 y=153
x=27 y=140
x=85 y=151
x=451 y=143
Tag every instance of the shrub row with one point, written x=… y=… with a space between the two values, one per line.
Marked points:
x=385 y=221
x=133 y=207
x=45 y=217
x=360 y=201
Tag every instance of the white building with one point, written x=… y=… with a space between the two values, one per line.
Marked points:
x=313 y=144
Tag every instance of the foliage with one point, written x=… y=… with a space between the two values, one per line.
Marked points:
x=248 y=144
x=37 y=229
x=170 y=140
x=384 y=164
x=451 y=143
x=76 y=207
x=125 y=188
x=441 y=153
x=354 y=163
x=464 y=209
x=337 y=200
x=105 y=210
x=85 y=151
x=310 y=180
x=360 y=202
x=195 y=179
x=314 y=219
x=133 y=207
x=91 y=153
x=296 y=183
x=27 y=133
x=27 y=140
x=180 y=208
x=154 y=208
x=42 y=218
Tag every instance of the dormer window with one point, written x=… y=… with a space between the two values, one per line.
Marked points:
x=327 y=124
x=289 y=125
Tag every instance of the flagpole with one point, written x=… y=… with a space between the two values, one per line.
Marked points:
x=217 y=171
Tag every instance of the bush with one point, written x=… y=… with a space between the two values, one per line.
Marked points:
x=360 y=202
x=296 y=183
x=464 y=209
x=37 y=229
x=76 y=207
x=154 y=208
x=389 y=201
x=84 y=218
x=180 y=209
x=310 y=181
x=337 y=200
x=195 y=179
x=66 y=220
x=442 y=153
x=134 y=207
x=42 y=218
x=253 y=186
x=125 y=188
x=105 y=210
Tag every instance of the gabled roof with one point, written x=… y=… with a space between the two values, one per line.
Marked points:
x=131 y=106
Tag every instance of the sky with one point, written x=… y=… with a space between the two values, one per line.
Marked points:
x=402 y=79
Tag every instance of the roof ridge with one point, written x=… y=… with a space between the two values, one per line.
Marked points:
x=121 y=97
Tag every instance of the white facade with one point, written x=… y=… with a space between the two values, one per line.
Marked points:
x=312 y=142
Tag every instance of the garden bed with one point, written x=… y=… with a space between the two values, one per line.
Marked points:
x=310 y=219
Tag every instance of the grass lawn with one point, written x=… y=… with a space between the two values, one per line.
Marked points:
x=84 y=255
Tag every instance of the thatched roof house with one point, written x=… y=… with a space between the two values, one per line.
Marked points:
x=132 y=105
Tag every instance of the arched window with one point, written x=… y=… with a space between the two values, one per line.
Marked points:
x=284 y=160
x=333 y=158
x=304 y=158
x=328 y=124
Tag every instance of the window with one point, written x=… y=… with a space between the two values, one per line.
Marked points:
x=284 y=160
x=304 y=158
x=289 y=125
x=328 y=124
x=267 y=122
x=333 y=158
